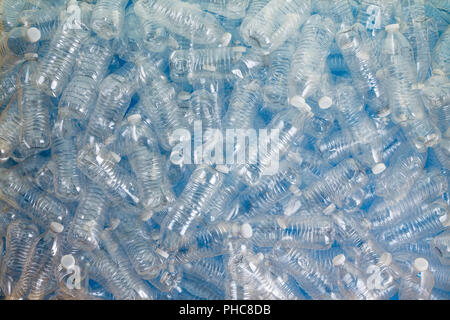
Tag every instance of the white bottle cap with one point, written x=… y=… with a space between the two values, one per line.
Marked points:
x=146 y=214
x=392 y=27
x=300 y=103
x=338 y=260
x=134 y=118
x=384 y=113
x=31 y=56
x=378 y=168
x=184 y=95
x=246 y=231
x=67 y=261
x=33 y=34
x=226 y=38
x=386 y=259
x=162 y=253
x=330 y=209
x=295 y=191
x=115 y=157
x=325 y=102
x=114 y=223
x=282 y=222
x=56 y=227
x=421 y=264
x=363 y=55
x=445 y=220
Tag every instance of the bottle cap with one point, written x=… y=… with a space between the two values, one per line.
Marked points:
x=226 y=38
x=246 y=231
x=114 y=223
x=33 y=34
x=330 y=209
x=282 y=222
x=384 y=112
x=295 y=191
x=386 y=259
x=338 y=260
x=363 y=55
x=146 y=214
x=325 y=102
x=300 y=103
x=222 y=168
x=67 y=261
x=134 y=118
x=162 y=253
x=184 y=95
x=421 y=264
x=115 y=157
x=30 y=56
x=392 y=27
x=445 y=220
x=378 y=168
x=56 y=227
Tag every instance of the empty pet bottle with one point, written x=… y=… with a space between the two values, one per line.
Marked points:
x=45 y=20
x=352 y=117
x=34 y=109
x=274 y=24
x=17 y=42
x=8 y=84
x=374 y=15
x=441 y=53
x=20 y=237
x=9 y=130
x=37 y=278
x=428 y=187
x=114 y=97
x=308 y=62
x=191 y=204
x=56 y=67
x=184 y=19
x=141 y=147
x=356 y=47
x=232 y=9
x=418 y=282
x=405 y=169
x=203 y=63
x=35 y=203
x=108 y=17
x=414 y=18
x=11 y=10
x=441 y=246
x=102 y=167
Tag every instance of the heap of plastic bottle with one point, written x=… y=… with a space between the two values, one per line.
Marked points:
x=102 y=195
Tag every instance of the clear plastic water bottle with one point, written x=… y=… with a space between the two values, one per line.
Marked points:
x=418 y=283
x=45 y=20
x=441 y=246
x=374 y=15
x=108 y=18
x=37 y=278
x=89 y=219
x=308 y=62
x=352 y=117
x=8 y=84
x=102 y=167
x=41 y=207
x=16 y=43
x=274 y=24
x=20 y=237
x=55 y=68
x=440 y=53
x=9 y=130
x=195 y=64
x=232 y=9
x=196 y=25
x=11 y=10
x=34 y=109
x=356 y=47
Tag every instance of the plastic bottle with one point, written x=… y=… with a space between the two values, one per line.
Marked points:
x=356 y=47
x=19 y=241
x=55 y=68
x=155 y=37
x=288 y=124
x=45 y=20
x=308 y=62
x=184 y=19
x=10 y=12
x=140 y=248
x=8 y=84
x=274 y=24
x=33 y=107
x=426 y=188
x=415 y=30
x=336 y=184
x=114 y=97
x=9 y=130
x=441 y=246
x=142 y=150
x=35 y=203
x=203 y=63
x=406 y=167
x=159 y=104
x=190 y=205
x=440 y=53
x=428 y=221
x=102 y=167
x=351 y=117
x=108 y=18
x=89 y=219
x=37 y=278
x=312 y=277
x=418 y=283
x=374 y=15
x=17 y=42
